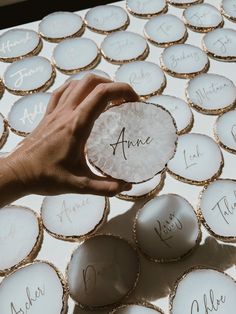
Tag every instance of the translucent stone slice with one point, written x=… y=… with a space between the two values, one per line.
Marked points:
x=133 y=141
x=3 y=130
x=146 y=8
x=228 y=9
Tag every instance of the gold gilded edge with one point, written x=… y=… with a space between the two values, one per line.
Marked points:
x=36 y=248
x=78 y=238
x=2 y=87
x=223 y=12
x=116 y=304
x=202 y=219
x=5 y=133
x=184 y=5
x=184 y=275
x=147 y=15
x=167 y=260
x=143 y=303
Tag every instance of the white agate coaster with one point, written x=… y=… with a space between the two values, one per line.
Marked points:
x=203 y=17
x=198 y=159
x=203 y=290
x=228 y=9
x=17 y=43
x=71 y=217
x=146 y=8
x=137 y=308
x=182 y=4
x=179 y=110
x=76 y=54
x=123 y=46
x=60 y=25
x=27 y=112
x=105 y=19
x=145 y=189
x=145 y=77
x=216 y=208
x=211 y=93
x=21 y=236
x=35 y=288
x=167 y=229
x=82 y=74
x=98 y=269
x=30 y=75
x=225 y=131
x=132 y=142
x=220 y=44
x=165 y=30
x=3 y=130
x=184 y=61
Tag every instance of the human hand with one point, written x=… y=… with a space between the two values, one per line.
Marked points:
x=51 y=160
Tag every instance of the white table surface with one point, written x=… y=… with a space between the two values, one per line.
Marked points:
x=156 y=280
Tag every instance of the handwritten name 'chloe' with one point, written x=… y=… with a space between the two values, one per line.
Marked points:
x=209 y=303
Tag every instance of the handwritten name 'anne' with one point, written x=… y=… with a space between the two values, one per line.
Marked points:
x=67 y=211
x=24 y=73
x=128 y=144
x=226 y=208
x=209 y=302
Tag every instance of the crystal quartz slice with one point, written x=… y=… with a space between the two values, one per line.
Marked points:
x=17 y=43
x=21 y=236
x=29 y=75
x=146 y=8
x=228 y=9
x=165 y=30
x=217 y=209
x=204 y=290
x=225 y=131
x=66 y=216
x=27 y=112
x=105 y=19
x=103 y=270
x=198 y=159
x=184 y=3
x=35 y=288
x=220 y=44
x=179 y=110
x=203 y=17
x=167 y=228
x=211 y=93
x=123 y=46
x=76 y=54
x=133 y=141
x=3 y=130
x=82 y=74
x=137 y=308
x=60 y=25
x=184 y=61
x=145 y=77
x=145 y=189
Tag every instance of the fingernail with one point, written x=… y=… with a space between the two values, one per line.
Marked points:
x=127 y=187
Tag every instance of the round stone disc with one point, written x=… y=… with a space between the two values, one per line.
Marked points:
x=103 y=270
x=123 y=46
x=184 y=61
x=137 y=308
x=82 y=74
x=167 y=228
x=105 y=19
x=179 y=110
x=21 y=236
x=211 y=93
x=217 y=209
x=60 y=25
x=146 y=8
x=145 y=189
x=132 y=142
x=76 y=54
x=220 y=44
x=225 y=131
x=228 y=9
x=203 y=17
x=190 y=295
x=182 y=4
x=165 y=30
x=35 y=288
x=145 y=77
x=17 y=43
x=66 y=216
x=30 y=75
x=198 y=159
x=27 y=112
x=3 y=130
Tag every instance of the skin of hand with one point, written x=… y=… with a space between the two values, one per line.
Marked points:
x=51 y=160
